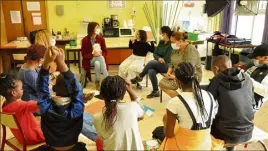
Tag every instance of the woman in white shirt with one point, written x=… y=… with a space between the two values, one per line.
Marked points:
x=194 y=109
x=117 y=125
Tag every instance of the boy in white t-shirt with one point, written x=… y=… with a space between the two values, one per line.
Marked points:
x=117 y=125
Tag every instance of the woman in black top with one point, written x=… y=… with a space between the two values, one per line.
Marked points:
x=134 y=64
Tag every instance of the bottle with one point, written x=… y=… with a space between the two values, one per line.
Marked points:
x=53 y=34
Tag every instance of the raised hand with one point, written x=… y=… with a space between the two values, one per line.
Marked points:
x=60 y=60
x=60 y=57
x=50 y=56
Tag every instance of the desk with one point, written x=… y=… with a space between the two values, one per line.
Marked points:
x=63 y=41
x=232 y=48
x=75 y=49
x=7 y=51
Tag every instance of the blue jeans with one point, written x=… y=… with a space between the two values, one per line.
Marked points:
x=88 y=128
x=153 y=68
x=100 y=67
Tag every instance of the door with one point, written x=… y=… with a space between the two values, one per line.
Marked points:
x=28 y=16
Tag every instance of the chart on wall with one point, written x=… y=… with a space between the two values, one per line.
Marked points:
x=116 y=4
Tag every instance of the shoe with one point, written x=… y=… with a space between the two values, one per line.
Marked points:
x=97 y=83
x=154 y=94
x=139 y=79
x=88 y=97
x=139 y=87
x=136 y=80
x=133 y=81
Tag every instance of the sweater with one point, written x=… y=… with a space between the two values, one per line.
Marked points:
x=28 y=78
x=61 y=124
x=141 y=48
x=163 y=51
x=234 y=92
x=29 y=125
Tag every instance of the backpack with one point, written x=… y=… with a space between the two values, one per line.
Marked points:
x=258 y=75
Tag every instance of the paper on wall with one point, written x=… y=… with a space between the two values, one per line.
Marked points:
x=33 y=6
x=15 y=17
x=37 y=20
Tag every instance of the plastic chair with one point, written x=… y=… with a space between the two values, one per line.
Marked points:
x=10 y=121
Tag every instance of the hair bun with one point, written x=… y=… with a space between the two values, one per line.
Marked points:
x=2 y=76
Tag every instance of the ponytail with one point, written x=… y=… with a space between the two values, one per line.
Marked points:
x=113 y=89
x=7 y=83
x=186 y=74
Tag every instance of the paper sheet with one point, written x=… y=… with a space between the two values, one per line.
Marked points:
x=37 y=20
x=15 y=17
x=33 y=6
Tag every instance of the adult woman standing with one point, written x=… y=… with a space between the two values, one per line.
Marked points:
x=94 y=52
x=195 y=110
x=183 y=51
x=160 y=62
x=134 y=64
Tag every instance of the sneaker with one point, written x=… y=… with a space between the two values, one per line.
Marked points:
x=154 y=94
x=136 y=80
x=139 y=87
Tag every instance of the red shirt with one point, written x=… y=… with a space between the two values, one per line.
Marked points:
x=30 y=126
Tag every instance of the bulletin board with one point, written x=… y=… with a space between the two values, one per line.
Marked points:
x=116 y=4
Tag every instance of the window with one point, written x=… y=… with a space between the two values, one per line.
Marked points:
x=250 y=27
x=189 y=16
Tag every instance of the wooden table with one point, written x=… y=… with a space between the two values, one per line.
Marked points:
x=7 y=51
x=74 y=49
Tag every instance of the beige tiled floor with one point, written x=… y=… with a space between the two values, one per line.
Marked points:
x=149 y=123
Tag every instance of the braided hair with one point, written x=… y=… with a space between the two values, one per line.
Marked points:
x=113 y=89
x=185 y=73
x=7 y=84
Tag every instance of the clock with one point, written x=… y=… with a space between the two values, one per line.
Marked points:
x=116 y=4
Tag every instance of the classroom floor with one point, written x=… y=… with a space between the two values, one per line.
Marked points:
x=149 y=123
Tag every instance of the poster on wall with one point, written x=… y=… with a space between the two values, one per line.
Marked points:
x=33 y=6
x=15 y=17
x=116 y=4
x=37 y=20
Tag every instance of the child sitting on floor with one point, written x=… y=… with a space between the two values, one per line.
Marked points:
x=117 y=126
x=11 y=89
x=61 y=116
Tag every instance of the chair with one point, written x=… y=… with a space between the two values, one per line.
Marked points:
x=10 y=121
x=258 y=135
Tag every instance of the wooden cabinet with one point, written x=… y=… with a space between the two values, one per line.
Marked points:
x=116 y=56
x=14 y=30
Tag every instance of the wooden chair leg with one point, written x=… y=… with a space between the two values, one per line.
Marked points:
x=161 y=96
x=3 y=138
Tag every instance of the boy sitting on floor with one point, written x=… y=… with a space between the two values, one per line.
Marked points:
x=61 y=116
x=11 y=89
x=233 y=89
